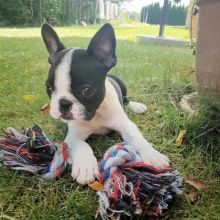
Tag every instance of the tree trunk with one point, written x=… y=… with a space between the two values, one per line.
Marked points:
x=189 y=13
x=87 y=5
x=163 y=17
x=67 y=11
x=96 y=11
x=40 y=12
x=78 y=11
x=146 y=16
x=208 y=51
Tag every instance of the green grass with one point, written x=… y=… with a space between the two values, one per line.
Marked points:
x=153 y=74
x=123 y=31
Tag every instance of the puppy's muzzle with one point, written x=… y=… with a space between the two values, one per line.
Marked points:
x=65 y=107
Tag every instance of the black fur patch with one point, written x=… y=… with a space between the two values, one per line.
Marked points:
x=122 y=87
x=87 y=72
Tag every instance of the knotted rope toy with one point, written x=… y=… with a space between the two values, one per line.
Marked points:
x=129 y=186
x=30 y=150
x=133 y=187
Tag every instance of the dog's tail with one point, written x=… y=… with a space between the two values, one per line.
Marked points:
x=136 y=107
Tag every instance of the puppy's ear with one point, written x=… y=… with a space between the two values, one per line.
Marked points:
x=102 y=46
x=51 y=41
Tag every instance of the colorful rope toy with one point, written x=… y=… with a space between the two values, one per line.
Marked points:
x=133 y=187
x=30 y=150
x=129 y=187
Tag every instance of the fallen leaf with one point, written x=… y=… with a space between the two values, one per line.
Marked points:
x=29 y=98
x=46 y=108
x=130 y=94
x=192 y=196
x=180 y=137
x=197 y=184
x=97 y=186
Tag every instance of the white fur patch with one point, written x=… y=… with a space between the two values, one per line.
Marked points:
x=85 y=166
x=137 y=107
x=109 y=115
x=63 y=89
x=80 y=155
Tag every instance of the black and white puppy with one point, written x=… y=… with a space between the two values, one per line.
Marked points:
x=90 y=101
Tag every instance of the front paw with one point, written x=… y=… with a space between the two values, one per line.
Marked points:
x=154 y=158
x=84 y=167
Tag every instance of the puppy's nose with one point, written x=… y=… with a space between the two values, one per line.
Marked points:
x=65 y=105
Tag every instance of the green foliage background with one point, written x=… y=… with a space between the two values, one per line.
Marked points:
x=56 y=12
x=176 y=14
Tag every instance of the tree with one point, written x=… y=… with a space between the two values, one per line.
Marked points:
x=164 y=15
x=56 y=12
x=176 y=14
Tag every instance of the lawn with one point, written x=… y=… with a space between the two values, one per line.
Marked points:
x=154 y=75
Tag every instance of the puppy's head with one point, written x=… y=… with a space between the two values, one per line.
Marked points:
x=76 y=79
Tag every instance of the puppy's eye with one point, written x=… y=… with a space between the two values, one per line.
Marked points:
x=88 y=91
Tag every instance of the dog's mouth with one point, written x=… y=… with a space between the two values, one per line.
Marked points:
x=67 y=117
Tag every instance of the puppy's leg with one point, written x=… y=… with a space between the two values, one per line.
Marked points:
x=84 y=166
x=84 y=163
x=131 y=135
